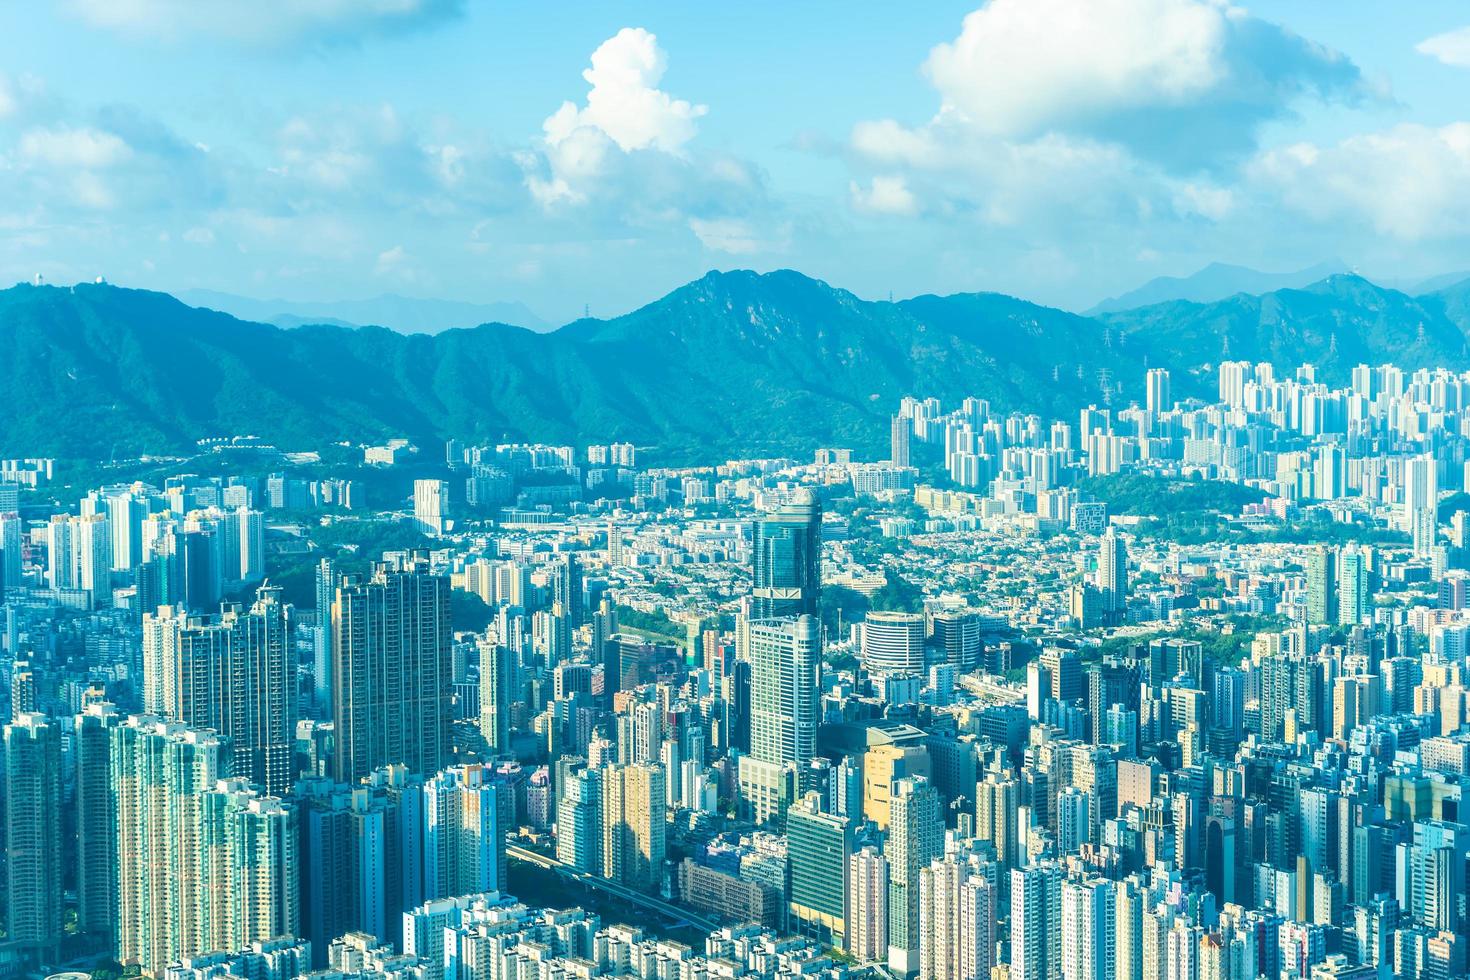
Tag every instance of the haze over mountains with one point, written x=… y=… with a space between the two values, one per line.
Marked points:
x=732 y=362
x=406 y=314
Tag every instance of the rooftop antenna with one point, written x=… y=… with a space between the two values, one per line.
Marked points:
x=586 y=311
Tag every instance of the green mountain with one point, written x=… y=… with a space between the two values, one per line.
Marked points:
x=1337 y=323
x=731 y=363
x=734 y=362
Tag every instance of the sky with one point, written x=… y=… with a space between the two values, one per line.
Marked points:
x=596 y=155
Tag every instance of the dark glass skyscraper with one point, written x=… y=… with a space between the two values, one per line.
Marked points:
x=786 y=557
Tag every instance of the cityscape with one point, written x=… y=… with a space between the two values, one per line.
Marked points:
x=763 y=630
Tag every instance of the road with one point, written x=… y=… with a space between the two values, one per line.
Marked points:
x=630 y=895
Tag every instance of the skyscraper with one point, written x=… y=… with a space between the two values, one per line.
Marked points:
x=867 y=906
x=900 y=431
x=1353 y=596
x=634 y=832
x=1421 y=502
x=786 y=559
x=33 y=831
x=497 y=670
x=430 y=506
x=818 y=846
x=1112 y=576
x=785 y=657
x=1321 y=585
x=321 y=674
x=203 y=863
x=915 y=837
x=1088 y=934
x=1036 y=926
x=234 y=674
x=464 y=834
x=956 y=921
x=96 y=858
x=392 y=672
x=1156 y=384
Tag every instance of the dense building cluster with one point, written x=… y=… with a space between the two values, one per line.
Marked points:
x=965 y=713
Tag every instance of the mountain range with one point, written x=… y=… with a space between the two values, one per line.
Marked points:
x=1216 y=281
x=406 y=314
x=734 y=362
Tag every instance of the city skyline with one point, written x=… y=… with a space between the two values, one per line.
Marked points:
x=380 y=601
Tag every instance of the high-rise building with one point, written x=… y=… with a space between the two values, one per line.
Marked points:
x=464 y=832
x=786 y=559
x=957 y=635
x=997 y=804
x=392 y=672
x=1088 y=933
x=956 y=921
x=1112 y=576
x=33 y=832
x=321 y=673
x=1036 y=922
x=634 y=832
x=1156 y=386
x=1321 y=585
x=867 y=906
x=1421 y=502
x=915 y=837
x=497 y=694
x=818 y=846
x=579 y=816
x=204 y=863
x=785 y=656
x=900 y=432
x=252 y=544
x=234 y=674
x=892 y=642
x=96 y=846
x=1354 y=602
x=430 y=506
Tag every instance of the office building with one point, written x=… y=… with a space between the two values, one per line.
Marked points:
x=785 y=657
x=818 y=847
x=786 y=559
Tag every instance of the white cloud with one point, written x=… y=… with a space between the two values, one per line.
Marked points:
x=625 y=110
x=1185 y=83
x=1451 y=47
x=391 y=260
x=199 y=236
x=1407 y=182
x=1020 y=67
x=262 y=22
x=8 y=102
x=726 y=235
x=884 y=195
x=63 y=146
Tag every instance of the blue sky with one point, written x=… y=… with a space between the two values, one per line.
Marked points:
x=601 y=154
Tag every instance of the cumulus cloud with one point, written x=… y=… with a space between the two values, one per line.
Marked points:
x=1451 y=47
x=625 y=110
x=1407 y=182
x=1187 y=83
x=884 y=195
x=263 y=22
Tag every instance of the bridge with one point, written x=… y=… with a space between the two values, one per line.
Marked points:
x=630 y=895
